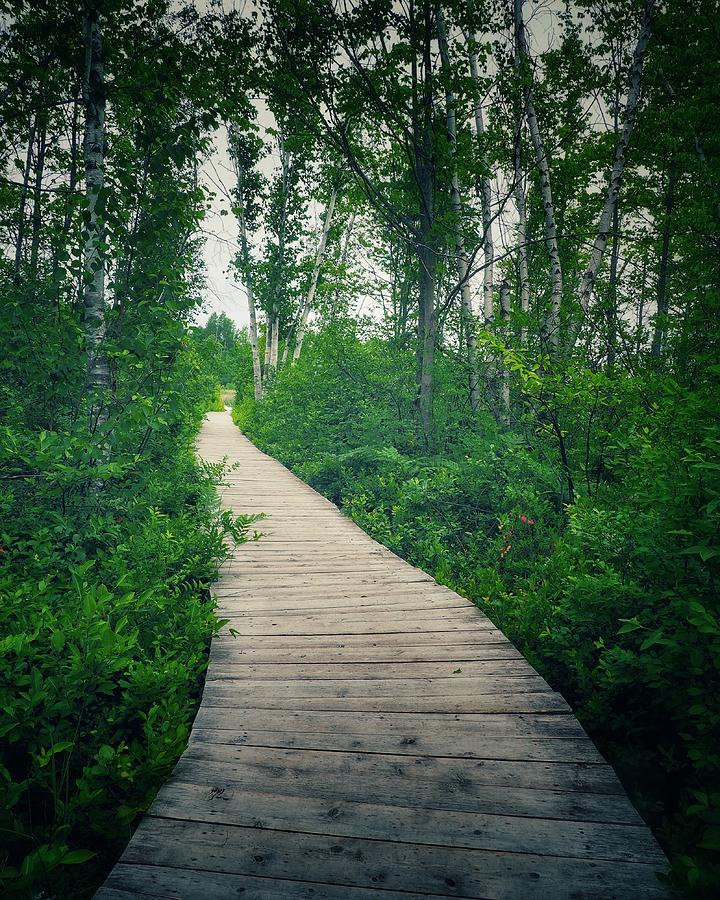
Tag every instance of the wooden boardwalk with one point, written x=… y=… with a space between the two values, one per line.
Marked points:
x=370 y=734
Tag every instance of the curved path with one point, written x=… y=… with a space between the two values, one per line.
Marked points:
x=370 y=734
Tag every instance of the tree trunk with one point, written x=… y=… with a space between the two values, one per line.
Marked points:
x=20 y=238
x=427 y=333
x=274 y=346
x=273 y=317
x=426 y=246
x=67 y=215
x=589 y=277
x=245 y=258
x=268 y=343
x=662 y=295
x=37 y=200
x=611 y=310
x=521 y=230
x=461 y=258
x=505 y=374
x=550 y=332
x=307 y=305
x=485 y=197
x=343 y=260
x=98 y=372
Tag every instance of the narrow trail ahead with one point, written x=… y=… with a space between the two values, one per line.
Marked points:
x=370 y=734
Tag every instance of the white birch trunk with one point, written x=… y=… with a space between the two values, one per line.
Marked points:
x=505 y=374
x=485 y=196
x=247 y=277
x=319 y=256
x=274 y=345
x=19 y=241
x=551 y=325
x=271 y=349
x=268 y=344
x=461 y=258
x=587 y=282
x=521 y=229
x=98 y=371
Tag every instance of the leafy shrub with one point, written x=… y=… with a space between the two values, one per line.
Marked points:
x=217 y=404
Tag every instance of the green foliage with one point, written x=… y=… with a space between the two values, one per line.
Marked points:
x=217 y=404
x=225 y=349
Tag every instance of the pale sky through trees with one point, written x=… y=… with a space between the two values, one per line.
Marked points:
x=224 y=291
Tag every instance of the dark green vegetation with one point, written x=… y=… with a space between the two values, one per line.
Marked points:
x=110 y=533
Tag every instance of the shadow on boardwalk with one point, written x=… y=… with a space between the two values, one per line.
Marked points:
x=370 y=734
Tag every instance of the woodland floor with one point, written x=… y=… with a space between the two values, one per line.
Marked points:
x=370 y=733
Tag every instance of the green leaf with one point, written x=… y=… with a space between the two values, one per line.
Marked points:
x=57 y=640
x=711 y=839
x=75 y=857
x=702 y=550
x=655 y=638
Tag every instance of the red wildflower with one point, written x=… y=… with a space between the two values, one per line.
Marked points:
x=523 y=518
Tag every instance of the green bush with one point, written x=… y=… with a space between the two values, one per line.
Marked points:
x=217 y=404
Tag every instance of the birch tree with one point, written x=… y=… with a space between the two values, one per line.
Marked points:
x=589 y=276
x=319 y=257
x=461 y=257
x=238 y=157
x=485 y=183
x=550 y=334
x=98 y=370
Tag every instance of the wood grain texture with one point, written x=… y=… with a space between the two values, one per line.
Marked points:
x=369 y=733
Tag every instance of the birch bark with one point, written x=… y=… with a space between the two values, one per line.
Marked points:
x=98 y=372
x=521 y=229
x=271 y=361
x=550 y=332
x=505 y=308
x=20 y=238
x=319 y=257
x=245 y=259
x=37 y=200
x=662 y=298
x=485 y=193
x=589 y=277
x=461 y=258
x=426 y=244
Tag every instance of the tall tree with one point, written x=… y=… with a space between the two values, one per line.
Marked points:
x=93 y=256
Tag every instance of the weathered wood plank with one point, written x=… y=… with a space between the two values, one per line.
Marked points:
x=297 y=672
x=450 y=871
x=170 y=883
x=247 y=807
x=454 y=654
x=455 y=777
